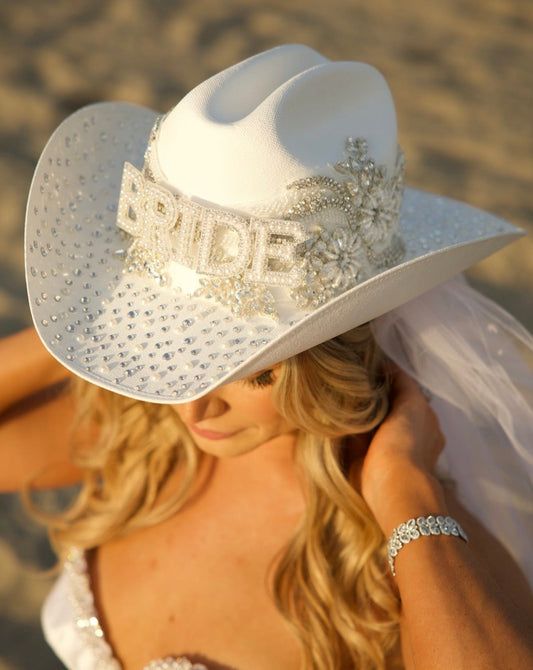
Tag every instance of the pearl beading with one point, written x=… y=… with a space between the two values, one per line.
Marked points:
x=236 y=257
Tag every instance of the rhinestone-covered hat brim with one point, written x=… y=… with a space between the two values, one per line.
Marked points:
x=130 y=335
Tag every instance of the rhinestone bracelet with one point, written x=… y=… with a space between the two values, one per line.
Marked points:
x=412 y=529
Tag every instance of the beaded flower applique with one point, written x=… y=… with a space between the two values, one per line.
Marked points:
x=337 y=259
x=238 y=259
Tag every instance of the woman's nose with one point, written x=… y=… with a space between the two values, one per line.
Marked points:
x=206 y=407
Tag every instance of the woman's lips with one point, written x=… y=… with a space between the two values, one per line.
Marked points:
x=210 y=434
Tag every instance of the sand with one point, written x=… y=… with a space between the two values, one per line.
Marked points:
x=461 y=77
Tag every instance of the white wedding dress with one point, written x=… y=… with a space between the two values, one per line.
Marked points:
x=460 y=346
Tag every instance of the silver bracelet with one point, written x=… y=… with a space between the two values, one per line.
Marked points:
x=412 y=529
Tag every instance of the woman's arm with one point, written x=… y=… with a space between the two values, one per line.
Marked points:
x=35 y=436
x=26 y=367
x=36 y=412
x=464 y=605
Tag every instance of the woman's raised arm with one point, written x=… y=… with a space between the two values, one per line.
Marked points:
x=26 y=368
x=464 y=605
x=36 y=412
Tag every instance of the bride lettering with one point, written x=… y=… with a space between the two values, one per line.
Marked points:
x=209 y=241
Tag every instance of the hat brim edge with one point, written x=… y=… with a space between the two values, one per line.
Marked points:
x=458 y=257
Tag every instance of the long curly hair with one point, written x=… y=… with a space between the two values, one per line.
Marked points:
x=331 y=581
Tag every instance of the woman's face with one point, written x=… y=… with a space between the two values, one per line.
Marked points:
x=237 y=418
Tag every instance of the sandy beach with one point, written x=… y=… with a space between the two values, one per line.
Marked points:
x=461 y=76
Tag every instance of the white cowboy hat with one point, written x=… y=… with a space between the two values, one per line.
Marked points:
x=265 y=213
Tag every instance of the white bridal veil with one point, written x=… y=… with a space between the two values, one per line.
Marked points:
x=474 y=358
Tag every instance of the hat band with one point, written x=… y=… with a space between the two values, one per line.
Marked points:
x=236 y=260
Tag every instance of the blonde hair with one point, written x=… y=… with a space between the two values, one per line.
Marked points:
x=332 y=583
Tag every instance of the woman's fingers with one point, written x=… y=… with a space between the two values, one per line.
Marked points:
x=410 y=432
x=403 y=385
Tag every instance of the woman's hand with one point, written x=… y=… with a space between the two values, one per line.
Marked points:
x=402 y=453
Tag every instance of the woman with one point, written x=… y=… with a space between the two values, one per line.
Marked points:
x=247 y=503
x=241 y=468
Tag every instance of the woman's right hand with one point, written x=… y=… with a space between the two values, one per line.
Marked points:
x=403 y=451
x=410 y=434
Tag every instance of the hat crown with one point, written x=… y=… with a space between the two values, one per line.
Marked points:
x=237 y=139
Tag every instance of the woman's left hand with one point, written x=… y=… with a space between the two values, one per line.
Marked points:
x=405 y=447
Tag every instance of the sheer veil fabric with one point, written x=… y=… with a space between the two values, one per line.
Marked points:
x=475 y=359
